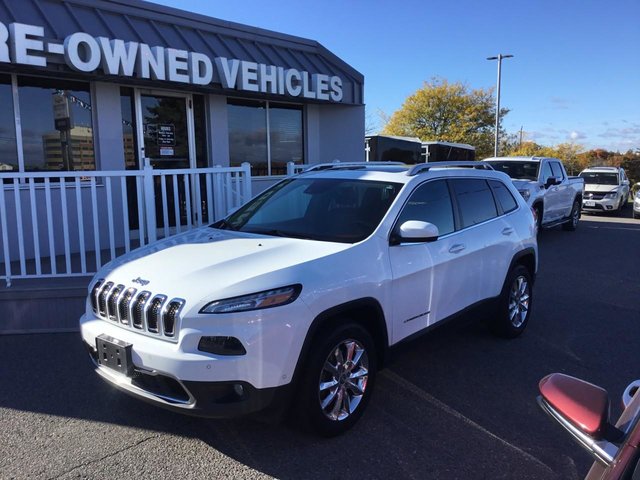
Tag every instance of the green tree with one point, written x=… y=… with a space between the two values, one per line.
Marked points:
x=448 y=112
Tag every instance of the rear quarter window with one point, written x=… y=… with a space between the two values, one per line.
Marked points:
x=475 y=201
x=503 y=196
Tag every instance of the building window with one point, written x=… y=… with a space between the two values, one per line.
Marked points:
x=8 y=150
x=268 y=136
x=57 y=131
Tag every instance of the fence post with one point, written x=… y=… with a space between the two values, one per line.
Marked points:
x=290 y=169
x=246 y=194
x=149 y=200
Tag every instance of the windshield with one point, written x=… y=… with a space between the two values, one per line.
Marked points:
x=599 y=178
x=517 y=170
x=335 y=210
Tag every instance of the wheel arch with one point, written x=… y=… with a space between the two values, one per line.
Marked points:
x=364 y=311
x=526 y=258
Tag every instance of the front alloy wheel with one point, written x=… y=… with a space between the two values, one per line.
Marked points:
x=338 y=378
x=343 y=380
x=519 y=297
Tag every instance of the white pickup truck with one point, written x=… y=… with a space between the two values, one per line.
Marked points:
x=543 y=182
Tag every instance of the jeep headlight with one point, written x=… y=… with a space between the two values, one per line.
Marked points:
x=254 y=301
x=525 y=194
x=611 y=195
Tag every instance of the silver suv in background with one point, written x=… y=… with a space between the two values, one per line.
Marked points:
x=606 y=189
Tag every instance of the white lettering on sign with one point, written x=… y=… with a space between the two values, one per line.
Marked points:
x=118 y=58
x=25 y=44
x=200 y=69
x=150 y=62
x=292 y=82
x=22 y=44
x=82 y=52
x=4 y=44
x=228 y=70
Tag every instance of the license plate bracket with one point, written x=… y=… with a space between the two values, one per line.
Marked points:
x=114 y=354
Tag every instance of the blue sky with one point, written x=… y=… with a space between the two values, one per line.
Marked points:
x=575 y=75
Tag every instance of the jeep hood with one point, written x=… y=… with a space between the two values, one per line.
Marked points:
x=200 y=263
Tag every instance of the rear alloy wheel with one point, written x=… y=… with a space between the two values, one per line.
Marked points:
x=514 y=309
x=572 y=224
x=339 y=378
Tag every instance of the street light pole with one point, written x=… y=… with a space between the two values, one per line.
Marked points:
x=499 y=58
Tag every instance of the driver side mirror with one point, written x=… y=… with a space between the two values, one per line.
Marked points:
x=551 y=181
x=582 y=409
x=415 y=231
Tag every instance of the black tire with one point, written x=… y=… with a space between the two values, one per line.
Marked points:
x=514 y=305
x=636 y=215
x=539 y=212
x=574 y=217
x=336 y=417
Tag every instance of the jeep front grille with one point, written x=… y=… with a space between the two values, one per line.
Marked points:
x=143 y=311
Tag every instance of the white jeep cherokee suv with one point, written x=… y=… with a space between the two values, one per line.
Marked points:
x=302 y=290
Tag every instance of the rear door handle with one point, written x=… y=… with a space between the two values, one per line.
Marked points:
x=457 y=248
x=507 y=231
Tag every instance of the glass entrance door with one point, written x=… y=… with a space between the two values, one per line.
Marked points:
x=167 y=130
x=167 y=139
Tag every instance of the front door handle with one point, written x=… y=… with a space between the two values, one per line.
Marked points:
x=507 y=231
x=457 y=248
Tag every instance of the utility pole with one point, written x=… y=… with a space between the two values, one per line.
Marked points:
x=519 y=146
x=499 y=58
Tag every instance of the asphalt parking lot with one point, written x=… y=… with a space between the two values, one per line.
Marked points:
x=458 y=403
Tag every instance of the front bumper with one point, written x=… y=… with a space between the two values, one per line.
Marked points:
x=604 y=205
x=204 y=399
x=180 y=377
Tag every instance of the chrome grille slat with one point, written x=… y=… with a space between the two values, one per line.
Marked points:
x=144 y=312
x=170 y=316
x=138 y=310
x=124 y=305
x=102 y=299
x=93 y=296
x=153 y=313
x=112 y=302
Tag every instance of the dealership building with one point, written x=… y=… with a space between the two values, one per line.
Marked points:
x=128 y=92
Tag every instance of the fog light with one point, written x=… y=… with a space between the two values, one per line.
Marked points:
x=221 y=346
x=609 y=207
x=238 y=389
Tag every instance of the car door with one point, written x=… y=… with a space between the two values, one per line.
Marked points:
x=551 y=195
x=564 y=192
x=479 y=267
x=420 y=270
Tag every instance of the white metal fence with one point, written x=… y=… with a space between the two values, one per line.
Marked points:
x=63 y=224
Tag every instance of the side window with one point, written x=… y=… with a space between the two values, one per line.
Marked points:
x=546 y=172
x=503 y=196
x=430 y=202
x=475 y=201
x=557 y=170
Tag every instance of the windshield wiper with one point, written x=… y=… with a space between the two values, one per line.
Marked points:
x=223 y=225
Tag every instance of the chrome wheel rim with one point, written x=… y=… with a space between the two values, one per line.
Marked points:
x=343 y=380
x=519 y=300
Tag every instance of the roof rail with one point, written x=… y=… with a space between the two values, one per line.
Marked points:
x=348 y=165
x=425 y=167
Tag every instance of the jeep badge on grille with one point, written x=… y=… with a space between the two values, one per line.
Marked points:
x=141 y=281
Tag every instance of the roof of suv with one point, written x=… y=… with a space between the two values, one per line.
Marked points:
x=399 y=172
x=601 y=169
x=518 y=159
